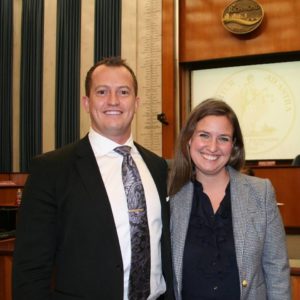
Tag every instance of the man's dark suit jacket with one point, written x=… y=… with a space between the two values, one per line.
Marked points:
x=65 y=218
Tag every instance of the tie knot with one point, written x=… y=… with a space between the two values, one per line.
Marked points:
x=123 y=150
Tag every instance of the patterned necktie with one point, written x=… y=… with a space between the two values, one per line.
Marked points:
x=139 y=278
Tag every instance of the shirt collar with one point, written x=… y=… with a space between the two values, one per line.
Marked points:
x=225 y=206
x=101 y=145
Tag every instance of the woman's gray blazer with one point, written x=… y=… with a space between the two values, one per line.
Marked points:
x=258 y=234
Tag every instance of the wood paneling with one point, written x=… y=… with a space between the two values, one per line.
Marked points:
x=203 y=37
x=9 y=184
x=4 y=176
x=295 y=283
x=168 y=77
x=8 y=196
x=286 y=183
x=18 y=178
x=6 y=250
x=295 y=280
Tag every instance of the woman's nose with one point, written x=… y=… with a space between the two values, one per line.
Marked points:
x=212 y=144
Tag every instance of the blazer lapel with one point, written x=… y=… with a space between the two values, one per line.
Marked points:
x=89 y=171
x=156 y=172
x=181 y=205
x=90 y=175
x=239 y=203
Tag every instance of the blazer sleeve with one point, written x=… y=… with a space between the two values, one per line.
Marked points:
x=36 y=236
x=275 y=259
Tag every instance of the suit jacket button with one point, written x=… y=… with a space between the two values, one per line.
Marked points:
x=244 y=283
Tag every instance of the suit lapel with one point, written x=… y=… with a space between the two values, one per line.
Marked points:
x=239 y=201
x=181 y=206
x=156 y=172
x=89 y=171
x=90 y=175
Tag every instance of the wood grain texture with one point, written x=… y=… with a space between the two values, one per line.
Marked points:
x=203 y=37
x=286 y=183
x=168 y=78
x=6 y=250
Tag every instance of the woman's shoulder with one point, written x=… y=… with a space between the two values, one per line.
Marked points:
x=184 y=191
x=251 y=180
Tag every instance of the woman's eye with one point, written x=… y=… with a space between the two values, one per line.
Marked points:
x=224 y=139
x=204 y=136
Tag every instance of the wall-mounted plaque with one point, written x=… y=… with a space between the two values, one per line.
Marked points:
x=242 y=16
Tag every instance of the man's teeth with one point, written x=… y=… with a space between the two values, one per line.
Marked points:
x=112 y=112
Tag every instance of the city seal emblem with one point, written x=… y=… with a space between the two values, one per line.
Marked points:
x=242 y=16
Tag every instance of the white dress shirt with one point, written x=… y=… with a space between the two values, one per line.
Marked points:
x=110 y=163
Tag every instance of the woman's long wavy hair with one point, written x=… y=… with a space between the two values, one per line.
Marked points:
x=182 y=167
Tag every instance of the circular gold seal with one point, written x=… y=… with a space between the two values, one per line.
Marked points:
x=260 y=98
x=242 y=16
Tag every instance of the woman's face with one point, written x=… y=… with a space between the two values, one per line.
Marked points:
x=211 y=145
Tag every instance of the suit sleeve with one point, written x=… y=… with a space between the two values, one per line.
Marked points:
x=275 y=259
x=36 y=237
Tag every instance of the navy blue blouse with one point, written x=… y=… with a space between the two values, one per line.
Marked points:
x=209 y=261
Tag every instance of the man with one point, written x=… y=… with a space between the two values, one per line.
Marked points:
x=73 y=234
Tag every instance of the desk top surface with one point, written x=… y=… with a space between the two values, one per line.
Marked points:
x=7 y=246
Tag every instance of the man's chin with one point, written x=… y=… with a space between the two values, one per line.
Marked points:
x=118 y=134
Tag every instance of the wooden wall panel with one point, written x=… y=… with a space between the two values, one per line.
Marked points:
x=6 y=251
x=168 y=78
x=295 y=283
x=203 y=37
x=286 y=183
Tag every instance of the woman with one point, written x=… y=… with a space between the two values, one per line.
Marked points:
x=228 y=240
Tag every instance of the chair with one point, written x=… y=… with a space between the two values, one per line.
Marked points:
x=296 y=161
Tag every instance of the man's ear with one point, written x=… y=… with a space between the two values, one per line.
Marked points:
x=86 y=103
x=137 y=102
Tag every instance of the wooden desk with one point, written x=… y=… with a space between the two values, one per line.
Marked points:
x=6 y=258
x=286 y=181
x=295 y=278
x=9 y=185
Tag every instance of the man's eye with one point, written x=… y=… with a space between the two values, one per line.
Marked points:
x=123 y=92
x=102 y=92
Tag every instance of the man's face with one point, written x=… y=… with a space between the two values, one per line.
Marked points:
x=112 y=102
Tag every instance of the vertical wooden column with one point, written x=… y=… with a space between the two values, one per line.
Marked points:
x=168 y=77
x=6 y=251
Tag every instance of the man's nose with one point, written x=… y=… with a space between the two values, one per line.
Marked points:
x=113 y=98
